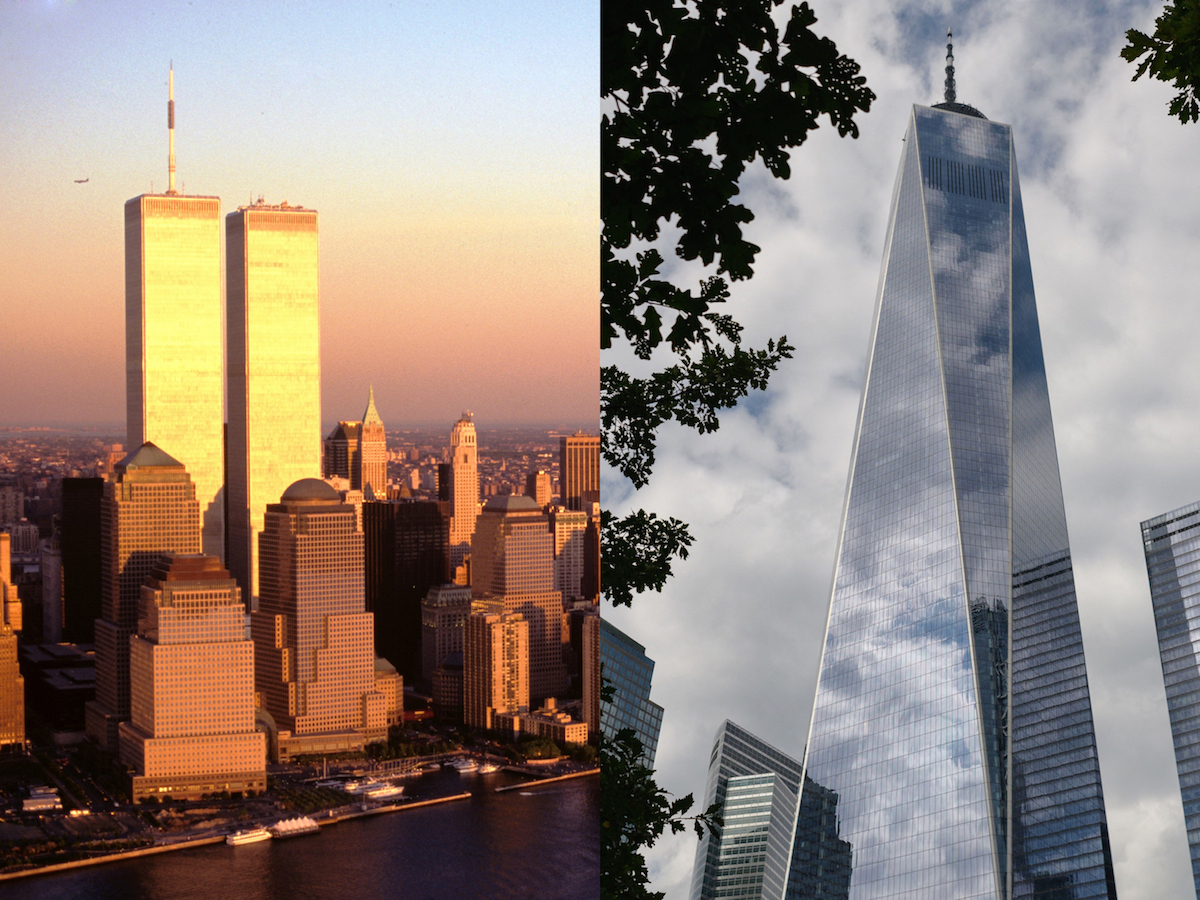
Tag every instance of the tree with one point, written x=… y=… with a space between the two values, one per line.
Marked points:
x=1171 y=54
x=694 y=92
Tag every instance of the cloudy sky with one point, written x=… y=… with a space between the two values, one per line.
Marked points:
x=451 y=151
x=1111 y=191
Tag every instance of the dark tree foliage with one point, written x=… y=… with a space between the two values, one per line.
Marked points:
x=694 y=93
x=1171 y=54
x=634 y=812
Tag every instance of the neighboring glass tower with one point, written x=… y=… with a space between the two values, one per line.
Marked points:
x=1172 y=543
x=952 y=717
x=625 y=664
x=274 y=369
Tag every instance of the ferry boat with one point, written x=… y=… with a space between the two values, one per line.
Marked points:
x=466 y=765
x=384 y=792
x=250 y=836
x=286 y=828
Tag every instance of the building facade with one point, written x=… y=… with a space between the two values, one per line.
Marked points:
x=1173 y=564
x=444 y=614
x=495 y=667
x=274 y=353
x=625 y=664
x=513 y=561
x=372 y=453
x=314 y=656
x=463 y=492
x=340 y=458
x=952 y=698
x=80 y=544
x=579 y=470
x=174 y=385
x=12 y=684
x=191 y=730
x=570 y=538
x=149 y=508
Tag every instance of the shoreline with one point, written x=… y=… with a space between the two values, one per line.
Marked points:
x=537 y=781
x=214 y=839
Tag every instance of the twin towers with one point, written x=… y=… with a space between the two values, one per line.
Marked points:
x=184 y=348
x=952 y=752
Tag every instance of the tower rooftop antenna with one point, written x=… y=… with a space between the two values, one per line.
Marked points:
x=950 y=92
x=171 y=129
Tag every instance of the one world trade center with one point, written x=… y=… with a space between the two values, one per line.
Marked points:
x=952 y=724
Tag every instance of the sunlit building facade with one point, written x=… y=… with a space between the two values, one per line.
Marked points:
x=174 y=385
x=952 y=701
x=579 y=470
x=513 y=561
x=12 y=684
x=372 y=453
x=464 y=488
x=495 y=667
x=314 y=642
x=192 y=729
x=1172 y=548
x=274 y=352
x=149 y=508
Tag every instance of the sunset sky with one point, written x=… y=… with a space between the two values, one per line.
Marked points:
x=451 y=152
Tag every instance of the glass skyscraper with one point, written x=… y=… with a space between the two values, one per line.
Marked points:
x=626 y=665
x=952 y=718
x=1172 y=543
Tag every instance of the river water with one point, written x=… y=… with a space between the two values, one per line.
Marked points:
x=531 y=844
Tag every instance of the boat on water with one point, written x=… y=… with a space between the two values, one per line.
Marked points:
x=488 y=768
x=466 y=765
x=362 y=787
x=384 y=792
x=248 y=836
x=286 y=828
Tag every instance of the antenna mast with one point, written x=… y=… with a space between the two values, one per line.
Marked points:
x=171 y=129
x=950 y=93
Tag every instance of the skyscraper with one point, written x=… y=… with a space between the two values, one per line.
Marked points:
x=629 y=669
x=464 y=489
x=513 y=561
x=12 y=685
x=495 y=667
x=82 y=499
x=314 y=652
x=372 y=453
x=952 y=702
x=1172 y=562
x=274 y=368
x=191 y=730
x=149 y=508
x=340 y=459
x=174 y=390
x=579 y=470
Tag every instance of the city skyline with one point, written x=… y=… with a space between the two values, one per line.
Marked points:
x=434 y=226
x=1110 y=188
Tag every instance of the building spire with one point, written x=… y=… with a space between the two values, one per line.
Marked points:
x=950 y=93
x=171 y=129
x=371 y=417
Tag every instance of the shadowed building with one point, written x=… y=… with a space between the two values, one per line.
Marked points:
x=952 y=697
x=175 y=392
x=81 y=557
x=314 y=651
x=274 y=353
x=149 y=508
x=405 y=544
x=12 y=685
x=191 y=730
x=579 y=470
x=340 y=459
x=538 y=486
x=444 y=614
